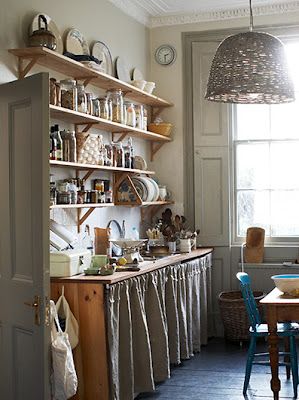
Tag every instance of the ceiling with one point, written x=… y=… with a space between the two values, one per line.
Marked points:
x=171 y=12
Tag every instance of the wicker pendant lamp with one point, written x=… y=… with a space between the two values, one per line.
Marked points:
x=250 y=68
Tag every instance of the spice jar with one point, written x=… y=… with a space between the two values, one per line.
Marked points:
x=64 y=198
x=94 y=196
x=81 y=99
x=116 y=96
x=68 y=94
x=104 y=110
x=108 y=196
x=131 y=115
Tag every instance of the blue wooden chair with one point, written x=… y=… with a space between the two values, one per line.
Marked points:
x=287 y=331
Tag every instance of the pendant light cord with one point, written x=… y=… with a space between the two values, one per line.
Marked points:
x=251 y=17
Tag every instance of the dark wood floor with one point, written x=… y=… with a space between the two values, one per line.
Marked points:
x=217 y=373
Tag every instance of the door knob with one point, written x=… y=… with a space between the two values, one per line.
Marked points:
x=36 y=306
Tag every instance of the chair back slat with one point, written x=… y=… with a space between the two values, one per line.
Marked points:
x=250 y=303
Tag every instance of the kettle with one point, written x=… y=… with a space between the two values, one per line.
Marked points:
x=42 y=37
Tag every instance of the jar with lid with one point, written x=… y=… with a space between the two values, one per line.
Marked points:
x=73 y=191
x=131 y=114
x=81 y=99
x=127 y=152
x=68 y=94
x=144 y=118
x=139 y=116
x=116 y=96
x=69 y=146
x=108 y=155
x=53 y=191
x=108 y=196
x=64 y=198
x=118 y=155
x=52 y=87
x=96 y=107
x=89 y=97
x=104 y=110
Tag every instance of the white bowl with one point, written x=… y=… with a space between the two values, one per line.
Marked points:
x=139 y=83
x=288 y=283
x=149 y=87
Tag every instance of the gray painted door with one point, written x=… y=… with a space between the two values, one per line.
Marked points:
x=24 y=243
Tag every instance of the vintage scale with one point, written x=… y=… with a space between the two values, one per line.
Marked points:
x=130 y=248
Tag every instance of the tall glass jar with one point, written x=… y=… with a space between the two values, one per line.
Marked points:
x=116 y=96
x=139 y=116
x=68 y=94
x=81 y=99
x=131 y=114
x=104 y=110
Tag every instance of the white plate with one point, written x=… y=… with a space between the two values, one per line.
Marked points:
x=141 y=188
x=122 y=71
x=75 y=42
x=100 y=51
x=140 y=163
x=137 y=75
x=156 y=186
x=51 y=27
x=150 y=188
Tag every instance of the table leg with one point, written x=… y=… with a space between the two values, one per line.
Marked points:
x=273 y=350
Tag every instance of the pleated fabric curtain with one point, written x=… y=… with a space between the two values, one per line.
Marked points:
x=155 y=320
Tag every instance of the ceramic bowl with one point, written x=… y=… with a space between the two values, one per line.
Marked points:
x=149 y=87
x=91 y=271
x=288 y=283
x=139 y=83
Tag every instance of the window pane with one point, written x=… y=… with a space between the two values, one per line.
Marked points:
x=253 y=166
x=284 y=165
x=253 y=121
x=292 y=51
x=285 y=213
x=285 y=121
x=252 y=210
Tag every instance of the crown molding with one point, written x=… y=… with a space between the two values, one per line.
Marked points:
x=141 y=15
x=129 y=8
x=220 y=15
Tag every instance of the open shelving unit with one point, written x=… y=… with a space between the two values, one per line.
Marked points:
x=29 y=57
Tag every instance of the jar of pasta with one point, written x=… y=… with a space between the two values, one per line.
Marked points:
x=116 y=96
x=68 y=94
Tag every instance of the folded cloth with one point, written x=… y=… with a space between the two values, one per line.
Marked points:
x=81 y=57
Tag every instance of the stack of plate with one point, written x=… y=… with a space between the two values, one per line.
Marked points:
x=146 y=187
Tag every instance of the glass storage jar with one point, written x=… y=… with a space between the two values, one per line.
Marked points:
x=68 y=94
x=116 y=96
x=89 y=97
x=104 y=110
x=139 y=116
x=130 y=114
x=118 y=155
x=81 y=99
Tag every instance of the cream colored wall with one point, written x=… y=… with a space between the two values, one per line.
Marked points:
x=97 y=20
x=169 y=163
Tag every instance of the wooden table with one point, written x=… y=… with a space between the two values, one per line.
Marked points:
x=279 y=308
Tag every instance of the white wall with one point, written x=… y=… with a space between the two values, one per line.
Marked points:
x=97 y=20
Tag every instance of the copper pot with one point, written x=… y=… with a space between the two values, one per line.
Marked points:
x=42 y=37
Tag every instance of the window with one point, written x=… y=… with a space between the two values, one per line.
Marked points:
x=266 y=159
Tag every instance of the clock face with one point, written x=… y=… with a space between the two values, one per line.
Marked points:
x=165 y=54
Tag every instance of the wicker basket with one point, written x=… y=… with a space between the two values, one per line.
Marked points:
x=234 y=315
x=163 y=128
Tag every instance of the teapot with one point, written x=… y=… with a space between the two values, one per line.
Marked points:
x=42 y=37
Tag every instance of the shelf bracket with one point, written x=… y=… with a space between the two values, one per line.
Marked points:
x=155 y=147
x=86 y=128
x=120 y=138
x=149 y=212
x=23 y=71
x=155 y=112
x=81 y=220
x=87 y=175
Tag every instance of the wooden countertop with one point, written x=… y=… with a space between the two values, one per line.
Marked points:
x=146 y=266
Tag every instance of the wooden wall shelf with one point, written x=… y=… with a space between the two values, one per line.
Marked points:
x=90 y=121
x=74 y=69
x=86 y=205
x=84 y=167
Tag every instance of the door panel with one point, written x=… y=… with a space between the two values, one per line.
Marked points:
x=24 y=242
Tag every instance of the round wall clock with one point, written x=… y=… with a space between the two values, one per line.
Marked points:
x=165 y=54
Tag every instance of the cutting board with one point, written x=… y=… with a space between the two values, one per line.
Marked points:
x=254 y=249
x=101 y=240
